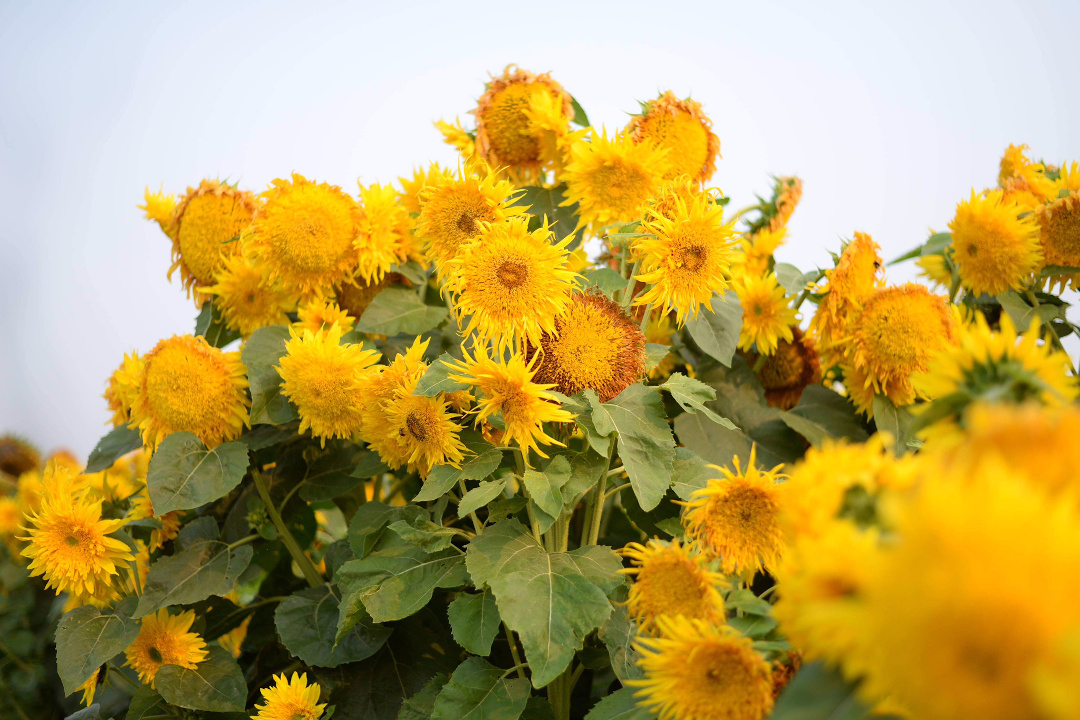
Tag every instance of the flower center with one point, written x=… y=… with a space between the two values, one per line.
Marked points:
x=692 y=258
x=512 y=273
x=155 y=655
x=417 y=426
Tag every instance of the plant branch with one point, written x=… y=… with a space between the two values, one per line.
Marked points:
x=311 y=573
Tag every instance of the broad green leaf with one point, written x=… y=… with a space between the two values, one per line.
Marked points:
x=437 y=379
x=538 y=708
x=420 y=705
x=88 y=637
x=307 y=620
x=369 y=465
x=717 y=332
x=144 y=703
x=618 y=634
x=749 y=603
x=394 y=582
x=645 y=444
x=581 y=407
x=211 y=326
x=424 y=534
x=580 y=118
x=823 y=413
x=483 y=459
x=655 y=354
x=585 y=469
x=898 y=422
x=607 y=280
x=330 y=473
x=195 y=573
x=619 y=705
x=216 y=684
x=480 y=496
x=692 y=395
x=479 y=691
x=475 y=621
x=184 y=474
x=545 y=488
x=1052 y=270
x=88 y=713
x=370 y=520
x=690 y=473
x=1022 y=314
x=551 y=600
x=788 y=276
x=260 y=354
x=116 y=443
x=713 y=444
x=936 y=244
x=398 y=310
x=547 y=202
x=263 y=436
x=818 y=693
x=754 y=627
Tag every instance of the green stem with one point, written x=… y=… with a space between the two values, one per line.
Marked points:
x=801 y=299
x=514 y=650
x=599 y=498
x=517 y=667
x=645 y=317
x=288 y=495
x=1030 y=295
x=112 y=671
x=617 y=490
x=628 y=292
x=243 y=541
x=311 y=573
x=759 y=363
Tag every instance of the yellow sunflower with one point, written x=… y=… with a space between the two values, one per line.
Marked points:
x=767 y=313
x=847 y=286
x=993 y=247
x=612 y=180
x=385 y=236
x=165 y=639
x=247 y=298
x=319 y=314
x=17 y=456
x=304 y=235
x=1016 y=165
x=699 y=671
x=378 y=387
x=160 y=208
x=778 y=209
x=69 y=543
x=1059 y=230
x=787 y=372
x=687 y=260
x=1020 y=191
x=123 y=388
x=669 y=580
x=291 y=699
x=511 y=283
x=683 y=129
x=322 y=378
x=595 y=344
x=736 y=518
x=421 y=431
x=89 y=688
x=456 y=136
x=507 y=387
x=188 y=385
x=755 y=252
x=412 y=187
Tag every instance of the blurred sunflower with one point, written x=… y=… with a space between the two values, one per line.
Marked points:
x=123 y=388
x=17 y=456
x=684 y=130
x=847 y=286
x=1059 y=230
x=671 y=581
x=787 y=372
x=165 y=639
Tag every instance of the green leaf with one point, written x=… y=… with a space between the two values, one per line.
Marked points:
x=1053 y=270
x=754 y=627
x=585 y=469
x=790 y=278
x=645 y=444
x=475 y=621
x=717 y=332
x=330 y=473
x=581 y=406
x=396 y=581
x=690 y=473
x=608 y=281
x=480 y=496
x=818 y=693
x=746 y=601
x=184 y=475
x=551 y=600
x=823 y=413
x=478 y=691
x=437 y=379
x=211 y=326
x=655 y=354
x=424 y=534
x=898 y=422
x=580 y=118
x=88 y=637
x=88 y=713
x=116 y=443
x=370 y=465
x=714 y=444
x=307 y=623
x=260 y=355
x=545 y=487
x=201 y=569
x=145 y=702
x=618 y=634
x=263 y=436
x=482 y=461
x=398 y=310
x=216 y=684
x=692 y=395
x=367 y=524
x=420 y=705
x=1022 y=314
x=547 y=202
x=619 y=705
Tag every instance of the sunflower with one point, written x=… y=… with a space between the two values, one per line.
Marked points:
x=897 y=333
x=456 y=136
x=319 y=314
x=89 y=688
x=421 y=431
x=847 y=286
x=613 y=179
x=17 y=456
x=935 y=268
x=1059 y=230
x=755 y=253
x=993 y=247
x=246 y=296
x=412 y=187
x=123 y=388
x=165 y=639
x=143 y=508
x=735 y=518
x=291 y=699
x=1020 y=191
x=385 y=236
x=512 y=118
x=68 y=542
x=595 y=344
x=1016 y=165
x=511 y=283
x=669 y=580
x=787 y=372
x=683 y=129
x=936 y=612
x=322 y=378
x=453 y=210
x=160 y=208
x=378 y=387
x=188 y=385
x=698 y=671
x=304 y=235
x=507 y=387
x=233 y=641
x=767 y=313
x=778 y=209
x=687 y=260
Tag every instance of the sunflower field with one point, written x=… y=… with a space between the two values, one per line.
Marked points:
x=552 y=434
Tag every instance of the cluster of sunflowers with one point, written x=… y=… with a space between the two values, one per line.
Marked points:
x=544 y=436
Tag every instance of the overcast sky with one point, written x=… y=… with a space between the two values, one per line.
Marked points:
x=891 y=112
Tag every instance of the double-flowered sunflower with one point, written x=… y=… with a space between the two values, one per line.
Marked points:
x=123 y=388
x=670 y=580
x=165 y=639
x=682 y=128
x=290 y=699
x=246 y=296
x=767 y=313
x=995 y=245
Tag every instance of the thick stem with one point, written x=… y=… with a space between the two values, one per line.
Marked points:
x=599 y=497
x=645 y=317
x=631 y=283
x=1030 y=294
x=311 y=573
x=514 y=651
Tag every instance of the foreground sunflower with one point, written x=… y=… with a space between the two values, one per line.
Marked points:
x=511 y=283
x=1015 y=164
x=595 y=344
x=247 y=298
x=165 y=639
x=767 y=313
x=699 y=671
x=291 y=699
x=188 y=385
x=669 y=580
x=123 y=388
x=687 y=260
x=682 y=128
x=994 y=248
x=160 y=208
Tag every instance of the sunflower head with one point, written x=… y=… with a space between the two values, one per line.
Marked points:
x=994 y=248
x=687 y=259
x=755 y=256
x=143 y=508
x=319 y=314
x=123 y=388
x=385 y=235
x=354 y=297
x=17 y=456
x=305 y=233
x=165 y=639
x=160 y=208
x=291 y=699
x=188 y=385
x=422 y=432
x=791 y=369
x=681 y=127
x=670 y=580
x=246 y=296
x=412 y=187
x=700 y=671
x=378 y=387
x=458 y=137
x=767 y=313
x=1015 y=165
x=857 y=274
x=1059 y=230
x=778 y=209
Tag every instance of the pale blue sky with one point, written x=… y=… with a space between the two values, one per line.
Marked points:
x=891 y=112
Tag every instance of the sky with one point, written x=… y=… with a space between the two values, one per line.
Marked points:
x=890 y=112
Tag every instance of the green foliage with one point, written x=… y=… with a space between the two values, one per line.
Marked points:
x=717 y=332
x=474 y=620
x=307 y=624
x=87 y=637
x=116 y=443
x=398 y=310
x=184 y=475
x=216 y=684
x=480 y=691
x=260 y=356
x=819 y=693
x=212 y=326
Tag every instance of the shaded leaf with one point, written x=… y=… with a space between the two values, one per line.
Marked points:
x=690 y=472
x=88 y=637
x=645 y=444
x=818 y=693
x=216 y=684
x=478 y=691
x=823 y=413
x=423 y=533
x=116 y=443
x=717 y=332
x=608 y=281
x=394 y=582
x=307 y=623
x=655 y=354
x=475 y=621
x=619 y=705
x=480 y=496
x=369 y=465
x=545 y=488
x=260 y=355
x=398 y=310
x=898 y=422
x=547 y=202
x=330 y=474
x=211 y=326
x=200 y=570
x=145 y=702
x=184 y=474
x=749 y=603
x=755 y=627
x=420 y=705
x=482 y=460
x=618 y=634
